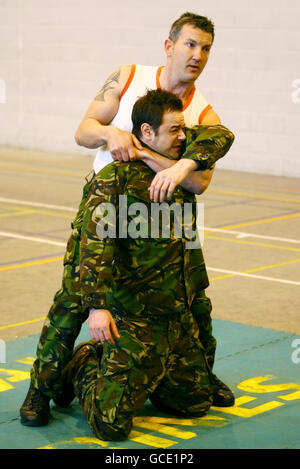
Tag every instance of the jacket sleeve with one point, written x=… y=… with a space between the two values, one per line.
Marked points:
x=98 y=242
x=206 y=144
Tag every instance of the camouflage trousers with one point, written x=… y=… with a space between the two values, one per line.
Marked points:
x=162 y=360
x=66 y=316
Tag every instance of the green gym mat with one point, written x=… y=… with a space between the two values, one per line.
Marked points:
x=260 y=365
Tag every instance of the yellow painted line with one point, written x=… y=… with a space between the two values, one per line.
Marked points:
x=54 y=214
x=171 y=431
x=150 y=440
x=35 y=204
x=243 y=234
x=270 y=266
x=47 y=210
x=259 y=222
x=16 y=324
x=88 y=440
x=255 y=196
x=253 y=243
x=30 y=264
x=256 y=269
x=36 y=212
x=46 y=447
x=29 y=169
x=190 y=422
x=26 y=360
x=231 y=273
x=16 y=213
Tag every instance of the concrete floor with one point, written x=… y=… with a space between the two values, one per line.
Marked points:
x=251 y=244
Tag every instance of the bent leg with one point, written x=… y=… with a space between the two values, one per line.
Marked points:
x=201 y=310
x=112 y=392
x=186 y=389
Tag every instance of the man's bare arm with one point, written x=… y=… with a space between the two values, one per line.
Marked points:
x=94 y=129
x=184 y=174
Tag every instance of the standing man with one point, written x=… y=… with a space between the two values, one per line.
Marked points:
x=107 y=124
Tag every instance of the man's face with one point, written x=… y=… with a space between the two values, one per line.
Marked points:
x=170 y=135
x=189 y=54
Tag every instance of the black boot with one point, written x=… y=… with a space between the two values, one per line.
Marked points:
x=222 y=395
x=35 y=411
x=79 y=354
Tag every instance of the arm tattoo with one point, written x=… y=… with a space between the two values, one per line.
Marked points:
x=108 y=85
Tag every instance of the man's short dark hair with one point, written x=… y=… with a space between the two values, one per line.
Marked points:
x=151 y=107
x=197 y=21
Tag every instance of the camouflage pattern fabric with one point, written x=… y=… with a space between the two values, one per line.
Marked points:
x=161 y=360
x=145 y=268
x=207 y=144
x=67 y=313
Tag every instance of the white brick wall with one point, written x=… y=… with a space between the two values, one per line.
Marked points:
x=54 y=57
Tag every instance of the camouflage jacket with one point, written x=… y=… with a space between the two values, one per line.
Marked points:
x=132 y=257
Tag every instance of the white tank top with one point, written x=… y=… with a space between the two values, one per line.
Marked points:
x=141 y=79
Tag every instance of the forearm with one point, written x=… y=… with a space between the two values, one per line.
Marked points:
x=194 y=181
x=92 y=134
x=198 y=181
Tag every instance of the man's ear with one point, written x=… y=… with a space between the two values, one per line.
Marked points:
x=147 y=132
x=168 y=46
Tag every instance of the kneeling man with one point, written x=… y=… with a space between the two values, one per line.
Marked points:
x=141 y=274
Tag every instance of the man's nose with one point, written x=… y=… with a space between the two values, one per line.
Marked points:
x=181 y=135
x=197 y=54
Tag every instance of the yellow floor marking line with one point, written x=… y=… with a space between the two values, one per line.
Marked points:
x=30 y=264
x=254 y=196
x=150 y=440
x=14 y=211
x=54 y=214
x=257 y=269
x=48 y=212
x=37 y=204
x=26 y=360
x=31 y=169
x=46 y=447
x=23 y=323
x=206 y=420
x=260 y=222
x=231 y=273
x=245 y=412
x=253 y=243
x=16 y=214
x=87 y=440
x=271 y=266
x=242 y=234
x=158 y=427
